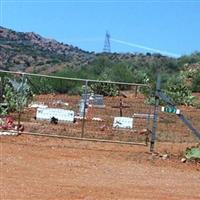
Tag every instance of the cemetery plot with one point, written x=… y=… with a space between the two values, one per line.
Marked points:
x=100 y=123
x=98 y=120
x=93 y=115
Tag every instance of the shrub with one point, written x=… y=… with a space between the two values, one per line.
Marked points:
x=178 y=90
x=196 y=81
x=16 y=97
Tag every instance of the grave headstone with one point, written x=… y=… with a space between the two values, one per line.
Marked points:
x=123 y=122
x=60 y=114
x=87 y=96
x=97 y=99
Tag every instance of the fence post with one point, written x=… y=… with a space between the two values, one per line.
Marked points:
x=19 y=103
x=155 y=118
x=1 y=89
x=150 y=110
x=136 y=91
x=84 y=107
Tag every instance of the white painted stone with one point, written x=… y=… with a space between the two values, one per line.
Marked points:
x=165 y=156
x=60 y=114
x=10 y=133
x=123 y=122
x=183 y=160
x=38 y=105
x=143 y=115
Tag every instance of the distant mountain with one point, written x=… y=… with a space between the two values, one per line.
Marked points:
x=31 y=52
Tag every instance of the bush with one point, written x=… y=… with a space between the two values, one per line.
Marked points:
x=106 y=89
x=16 y=98
x=178 y=90
x=196 y=81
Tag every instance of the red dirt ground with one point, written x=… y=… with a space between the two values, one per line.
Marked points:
x=48 y=168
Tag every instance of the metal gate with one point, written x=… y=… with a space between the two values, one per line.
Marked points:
x=73 y=108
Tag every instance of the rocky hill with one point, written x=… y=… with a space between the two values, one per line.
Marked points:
x=31 y=52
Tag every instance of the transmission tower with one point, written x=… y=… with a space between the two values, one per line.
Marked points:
x=107 y=47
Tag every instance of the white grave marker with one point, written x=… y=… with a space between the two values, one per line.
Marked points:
x=38 y=105
x=123 y=122
x=10 y=132
x=60 y=114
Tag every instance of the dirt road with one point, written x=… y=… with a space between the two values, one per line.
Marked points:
x=47 y=168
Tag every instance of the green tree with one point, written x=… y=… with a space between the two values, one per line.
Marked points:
x=121 y=73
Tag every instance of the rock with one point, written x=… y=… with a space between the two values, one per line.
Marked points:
x=102 y=128
x=165 y=156
x=183 y=160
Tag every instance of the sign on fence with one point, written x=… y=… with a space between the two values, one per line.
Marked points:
x=170 y=110
x=60 y=114
x=123 y=122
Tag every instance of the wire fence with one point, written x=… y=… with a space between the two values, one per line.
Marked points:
x=171 y=129
x=87 y=109
x=78 y=108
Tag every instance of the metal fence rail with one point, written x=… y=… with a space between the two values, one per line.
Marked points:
x=94 y=112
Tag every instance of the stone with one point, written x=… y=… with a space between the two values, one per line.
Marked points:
x=183 y=160
x=123 y=122
x=143 y=115
x=37 y=105
x=165 y=156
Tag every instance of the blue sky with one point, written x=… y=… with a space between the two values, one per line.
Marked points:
x=136 y=26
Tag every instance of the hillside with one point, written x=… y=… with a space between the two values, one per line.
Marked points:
x=31 y=52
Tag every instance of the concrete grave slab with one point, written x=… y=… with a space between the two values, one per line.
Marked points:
x=60 y=114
